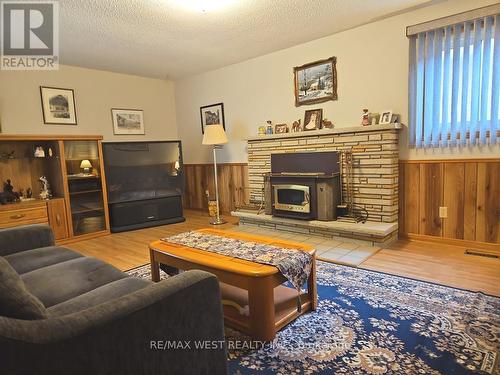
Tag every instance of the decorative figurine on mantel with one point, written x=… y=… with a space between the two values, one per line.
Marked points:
x=327 y=124
x=296 y=126
x=45 y=192
x=262 y=130
x=8 y=195
x=269 y=127
x=365 y=119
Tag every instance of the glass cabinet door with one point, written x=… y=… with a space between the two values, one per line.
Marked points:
x=83 y=172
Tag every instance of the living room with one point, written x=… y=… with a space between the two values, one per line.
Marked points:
x=250 y=187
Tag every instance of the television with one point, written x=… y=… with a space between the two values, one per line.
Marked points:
x=143 y=170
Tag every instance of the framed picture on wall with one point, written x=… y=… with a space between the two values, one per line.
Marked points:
x=316 y=82
x=58 y=106
x=128 y=121
x=211 y=115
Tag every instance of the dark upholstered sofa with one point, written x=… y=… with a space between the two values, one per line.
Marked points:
x=63 y=313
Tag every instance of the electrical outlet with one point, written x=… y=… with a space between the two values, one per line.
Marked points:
x=443 y=212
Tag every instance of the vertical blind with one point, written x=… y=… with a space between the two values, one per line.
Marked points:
x=454 y=84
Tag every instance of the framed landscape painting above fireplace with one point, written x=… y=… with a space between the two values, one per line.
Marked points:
x=316 y=82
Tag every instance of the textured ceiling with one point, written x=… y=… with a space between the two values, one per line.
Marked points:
x=167 y=39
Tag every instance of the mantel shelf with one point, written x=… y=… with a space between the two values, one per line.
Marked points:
x=314 y=133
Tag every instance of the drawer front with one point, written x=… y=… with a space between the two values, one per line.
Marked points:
x=24 y=216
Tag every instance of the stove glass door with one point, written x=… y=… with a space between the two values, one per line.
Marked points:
x=292 y=198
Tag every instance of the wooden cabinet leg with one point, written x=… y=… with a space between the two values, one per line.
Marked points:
x=261 y=304
x=155 y=267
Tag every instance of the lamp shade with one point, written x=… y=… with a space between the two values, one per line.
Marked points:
x=214 y=135
x=85 y=164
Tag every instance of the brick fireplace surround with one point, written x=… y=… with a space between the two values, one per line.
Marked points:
x=375 y=154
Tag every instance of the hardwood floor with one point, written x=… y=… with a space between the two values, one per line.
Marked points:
x=438 y=263
x=130 y=249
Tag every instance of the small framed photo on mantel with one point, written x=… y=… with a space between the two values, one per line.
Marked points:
x=386 y=117
x=211 y=115
x=128 y=121
x=58 y=106
x=313 y=119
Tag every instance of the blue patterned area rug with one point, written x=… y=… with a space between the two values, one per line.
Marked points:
x=373 y=323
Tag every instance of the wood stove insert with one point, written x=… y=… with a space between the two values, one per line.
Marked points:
x=304 y=185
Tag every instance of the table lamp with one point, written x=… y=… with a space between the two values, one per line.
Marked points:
x=215 y=135
x=86 y=166
x=177 y=166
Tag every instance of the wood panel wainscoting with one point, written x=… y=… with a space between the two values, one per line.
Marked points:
x=470 y=190
x=233 y=185
x=467 y=187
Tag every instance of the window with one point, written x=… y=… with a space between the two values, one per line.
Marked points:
x=454 y=84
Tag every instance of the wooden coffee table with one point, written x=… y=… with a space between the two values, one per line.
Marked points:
x=254 y=299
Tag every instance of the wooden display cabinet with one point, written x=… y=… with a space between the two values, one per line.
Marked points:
x=78 y=207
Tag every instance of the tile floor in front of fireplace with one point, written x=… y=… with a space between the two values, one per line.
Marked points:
x=329 y=250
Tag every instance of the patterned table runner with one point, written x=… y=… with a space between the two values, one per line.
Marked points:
x=294 y=264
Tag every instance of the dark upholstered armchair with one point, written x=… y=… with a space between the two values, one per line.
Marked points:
x=62 y=313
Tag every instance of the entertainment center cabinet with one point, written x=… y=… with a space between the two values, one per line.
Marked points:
x=73 y=167
x=145 y=182
x=146 y=213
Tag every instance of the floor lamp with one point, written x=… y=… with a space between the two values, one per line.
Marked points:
x=215 y=135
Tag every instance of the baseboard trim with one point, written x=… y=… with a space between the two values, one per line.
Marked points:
x=452 y=241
